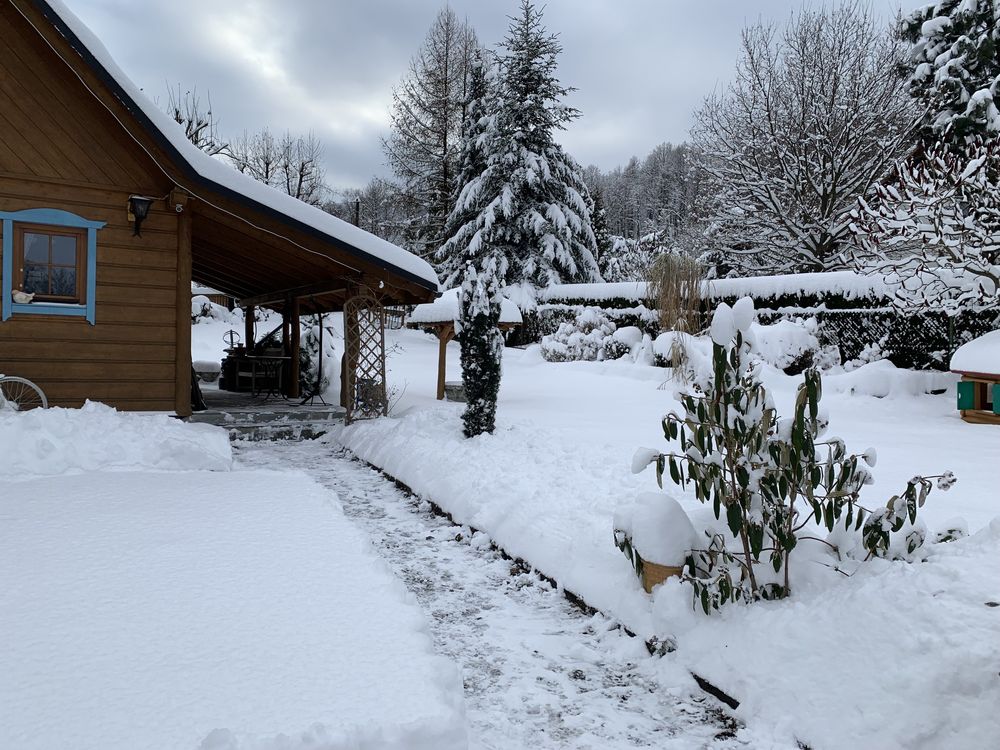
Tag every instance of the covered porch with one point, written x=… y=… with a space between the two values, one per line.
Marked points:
x=271 y=260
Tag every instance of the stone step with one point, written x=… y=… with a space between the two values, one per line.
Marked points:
x=271 y=431
x=227 y=417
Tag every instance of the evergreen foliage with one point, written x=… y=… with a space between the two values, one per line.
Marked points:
x=955 y=67
x=482 y=347
x=776 y=483
x=530 y=204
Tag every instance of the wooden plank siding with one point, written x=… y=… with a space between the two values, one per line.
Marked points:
x=60 y=148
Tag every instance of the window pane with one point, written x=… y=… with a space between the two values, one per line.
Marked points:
x=64 y=251
x=36 y=247
x=36 y=279
x=64 y=281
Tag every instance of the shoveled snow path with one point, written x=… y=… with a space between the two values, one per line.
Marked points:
x=538 y=672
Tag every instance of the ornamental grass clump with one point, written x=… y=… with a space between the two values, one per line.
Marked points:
x=775 y=482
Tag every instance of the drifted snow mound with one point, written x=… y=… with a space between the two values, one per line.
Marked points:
x=882 y=379
x=46 y=442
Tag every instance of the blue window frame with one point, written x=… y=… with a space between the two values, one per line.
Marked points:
x=53 y=217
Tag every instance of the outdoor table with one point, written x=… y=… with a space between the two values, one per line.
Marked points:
x=269 y=367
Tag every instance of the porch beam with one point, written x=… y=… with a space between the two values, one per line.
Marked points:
x=307 y=290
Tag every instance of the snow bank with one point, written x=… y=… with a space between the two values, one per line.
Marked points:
x=445 y=310
x=202 y=611
x=895 y=656
x=96 y=437
x=883 y=379
x=227 y=177
x=540 y=496
x=981 y=355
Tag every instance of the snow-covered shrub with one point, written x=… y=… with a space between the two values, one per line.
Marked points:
x=623 y=342
x=311 y=381
x=789 y=345
x=203 y=309
x=774 y=481
x=582 y=339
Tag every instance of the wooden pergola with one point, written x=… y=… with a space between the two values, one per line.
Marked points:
x=440 y=316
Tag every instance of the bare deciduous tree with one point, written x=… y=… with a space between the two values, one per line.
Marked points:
x=291 y=164
x=199 y=123
x=817 y=112
x=426 y=121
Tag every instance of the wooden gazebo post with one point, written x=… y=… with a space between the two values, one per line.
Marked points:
x=445 y=333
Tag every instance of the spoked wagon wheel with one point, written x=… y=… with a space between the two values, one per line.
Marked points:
x=20 y=394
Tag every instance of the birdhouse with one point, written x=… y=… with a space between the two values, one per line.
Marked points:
x=978 y=392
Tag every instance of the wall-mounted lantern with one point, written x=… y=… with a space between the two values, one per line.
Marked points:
x=138 y=210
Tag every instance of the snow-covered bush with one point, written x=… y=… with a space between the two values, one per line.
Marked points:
x=774 y=481
x=623 y=342
x=203 y=309
x=581 y=339
x=789 y=345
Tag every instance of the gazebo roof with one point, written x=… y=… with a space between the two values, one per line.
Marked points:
x=980 y=356
x=444 y=310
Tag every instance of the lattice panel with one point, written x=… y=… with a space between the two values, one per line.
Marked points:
x=364 y=343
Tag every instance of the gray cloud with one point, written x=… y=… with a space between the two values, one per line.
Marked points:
x=640 y=66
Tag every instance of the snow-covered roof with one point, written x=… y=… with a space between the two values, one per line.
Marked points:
x=445 y=310
x=222 y=176
x=205 y=290
x=980 y=356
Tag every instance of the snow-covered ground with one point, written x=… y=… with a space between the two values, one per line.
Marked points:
x=538 y=672
x=210 y=610
x=889 y=655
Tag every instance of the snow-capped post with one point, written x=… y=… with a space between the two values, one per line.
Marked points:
x=482 y=347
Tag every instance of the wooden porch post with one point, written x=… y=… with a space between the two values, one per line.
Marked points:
x=445 y=334
x=182 y=353
x=293 y=371
x=248 y=315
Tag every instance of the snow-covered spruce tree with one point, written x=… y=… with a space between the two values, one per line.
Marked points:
x=534 y=209
x=465 y=240
x=936 y=228
x=482 y=346
x=955 y=66
x=817 y=112
x=776 y=483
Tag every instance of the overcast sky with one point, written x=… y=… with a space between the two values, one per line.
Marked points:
x=640 y=66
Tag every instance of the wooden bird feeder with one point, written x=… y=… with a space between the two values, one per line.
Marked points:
x=978 y=362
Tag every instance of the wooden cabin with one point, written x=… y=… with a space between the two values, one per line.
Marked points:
x=83 y=154
x=978 y=362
